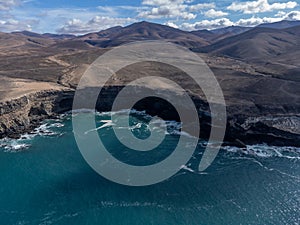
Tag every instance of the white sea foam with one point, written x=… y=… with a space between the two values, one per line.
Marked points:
x=184 y=167
x=15 y=146
x=266 y=151
x=107 y=124
x=105 y=121
x=58 y=125
x=27 y=136
x=173 y=126
x=24 y=142
x=44 y=130
x=137 y=126
x=78 y=111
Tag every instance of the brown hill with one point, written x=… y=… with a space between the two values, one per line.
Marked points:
x=143 y=31
x=276 y=51
x=216 y=35
x=23 y=44
x=281 y=24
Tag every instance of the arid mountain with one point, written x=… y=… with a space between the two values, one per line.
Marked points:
x=232 y=30
x=29 y=55
x=19 y=39
x=205 y=34
x=143 y=31
x=276 y=51
x=46 y=35
x=44 y=58
x=255 y=44
x=150 y=31
x=218 y=34
x=20 y=45
x=281 y=25
x=116 y=36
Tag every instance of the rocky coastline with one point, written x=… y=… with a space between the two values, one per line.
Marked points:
x=253 y=126
x=23 y=114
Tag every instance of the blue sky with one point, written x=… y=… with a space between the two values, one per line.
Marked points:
x=84 y=16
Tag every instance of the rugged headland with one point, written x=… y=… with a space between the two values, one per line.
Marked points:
x=258 y=70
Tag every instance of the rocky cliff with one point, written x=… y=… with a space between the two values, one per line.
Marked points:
x=23 y=114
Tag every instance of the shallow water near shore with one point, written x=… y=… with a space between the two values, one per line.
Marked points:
x=45 y=180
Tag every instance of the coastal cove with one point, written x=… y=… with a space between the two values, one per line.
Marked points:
x=255 y=125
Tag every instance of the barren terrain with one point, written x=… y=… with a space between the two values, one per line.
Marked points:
x=258 y=69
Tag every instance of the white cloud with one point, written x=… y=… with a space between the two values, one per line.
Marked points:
x=214 y=13
x=10 y=22
x=294 y=15
x=77 y=26
x=254 y=21
x=280 y=14
x=15 y=25
x=280 y=6
x=201 y=6
x=260 y=6
x=179 y=9
x=174 y=11
x=6 y=5
x=112 y=11
x=207 y=24
x=248 y=22
x=171 y=24
x=166 y=9
x=64 y=19
x=164 y=2
x=118 y=9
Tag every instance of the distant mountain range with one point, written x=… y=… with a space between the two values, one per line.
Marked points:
x=259 y=42
x=221 y=33
x=150 y=31
x=281 y=25
x=274 y=45
x=275 y=49
x=46 y=35
x=143 y=31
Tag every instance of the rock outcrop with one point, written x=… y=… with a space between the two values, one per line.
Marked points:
x=25 y=113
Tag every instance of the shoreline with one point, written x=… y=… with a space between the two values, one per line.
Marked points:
x=24 y=114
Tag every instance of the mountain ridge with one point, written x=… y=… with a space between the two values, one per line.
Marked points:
x=274 y=51
x=144 y=30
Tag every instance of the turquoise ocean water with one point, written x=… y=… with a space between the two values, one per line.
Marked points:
x=45 y=180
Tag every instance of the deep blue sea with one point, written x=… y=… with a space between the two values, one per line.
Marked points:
x=45 y=180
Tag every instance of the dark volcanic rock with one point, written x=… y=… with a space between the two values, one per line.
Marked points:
x=274 y=128
x=23 y=114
